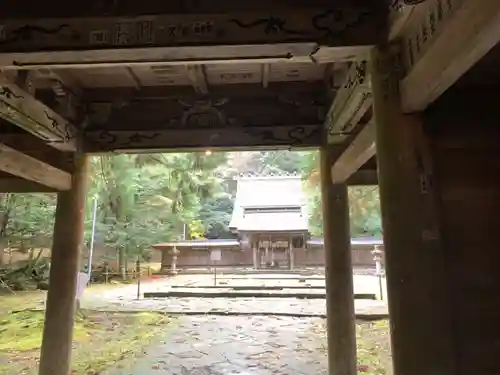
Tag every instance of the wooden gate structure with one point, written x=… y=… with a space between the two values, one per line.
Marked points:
x=400 y=89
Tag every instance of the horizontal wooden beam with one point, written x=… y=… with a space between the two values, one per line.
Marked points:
x=22 y=109
x=14 y=184
x=458 y=33
x=304 y=52
x=32 y=146
x=240 y=137
x=351 y=102
x=359 y=151
x=99 y=8
x=183 y=110
x=21 y=165
x=363 y=177
x=335 y=25
x=237 y=90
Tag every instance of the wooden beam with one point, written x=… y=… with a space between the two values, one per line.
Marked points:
x=32 y=146
x=29 y=168
x=265 y=75
x=351 y=102
x=401 y=12
x=14 y=184
x=98 y=8
x=363 y=177
x=23 y=110
x=250 y=105
x=338 y=25
x=196 y=74
x=359 y=151
x=237 y=90
x=288 y=136
x=301 y=52
x=461 y=33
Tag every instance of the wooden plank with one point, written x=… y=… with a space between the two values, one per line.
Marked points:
x=244 y=90
x=251 y=105
x=20 y=185
x=335 y=25
x=182 y=55
x=299 y=136
x=452 y=44
x=265 y=75
x=196 y=74
x=359 y=151
x=401 y=12
x=351 y=102
x=36 y=148
x=97 y=8
x=23 y=110
x=29 y=168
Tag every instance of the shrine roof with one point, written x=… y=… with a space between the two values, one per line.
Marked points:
x=269 y=203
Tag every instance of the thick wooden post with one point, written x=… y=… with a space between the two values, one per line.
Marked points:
x=339 y=279
x=61 y=298
x=414 y=258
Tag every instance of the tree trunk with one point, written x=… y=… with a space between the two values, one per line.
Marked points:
x=121 y=262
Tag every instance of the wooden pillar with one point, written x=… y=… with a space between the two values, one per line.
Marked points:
x=55 y=356
x=339 y=279
x=254 y=253
x=414 y=258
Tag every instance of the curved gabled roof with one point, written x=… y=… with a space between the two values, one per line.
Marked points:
x=271 y=194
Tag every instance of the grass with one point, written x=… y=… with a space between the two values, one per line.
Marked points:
x=373 y=346
x=101 y=339
x=374 y=349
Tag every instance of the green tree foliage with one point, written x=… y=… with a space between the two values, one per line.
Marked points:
x=364 y=207
x=145 y=199
x=26 y=221
x=148 y=198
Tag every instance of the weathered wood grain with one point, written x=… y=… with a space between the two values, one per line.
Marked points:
x=286 y=136
x=443 y=45
x=352 y=100
x=361 y=149
x=23 y=110
x=29 y=168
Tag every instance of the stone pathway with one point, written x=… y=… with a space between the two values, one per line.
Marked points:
x=125 y=298
x=212 y=345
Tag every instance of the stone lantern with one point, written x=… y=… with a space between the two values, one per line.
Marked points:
x=173 y=265
x=377 y=257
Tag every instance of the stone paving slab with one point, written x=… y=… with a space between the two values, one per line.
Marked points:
x=125 y=299
x=244 y=305
x=233 y=346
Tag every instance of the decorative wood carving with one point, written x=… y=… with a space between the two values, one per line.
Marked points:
x=444 y=44
x=99 y=8
x=423 y=27
x=96 y=141
x=225 y=108
x=400 y=12
x=336 y=25
x=350 y=103
x=23 y=110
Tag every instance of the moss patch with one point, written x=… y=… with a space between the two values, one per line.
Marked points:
x=373 y=346
x=100 y=339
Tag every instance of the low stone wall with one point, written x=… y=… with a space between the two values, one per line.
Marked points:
x=235 y=257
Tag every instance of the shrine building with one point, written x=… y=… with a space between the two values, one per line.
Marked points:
x=402 y=94
x=270 y=223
